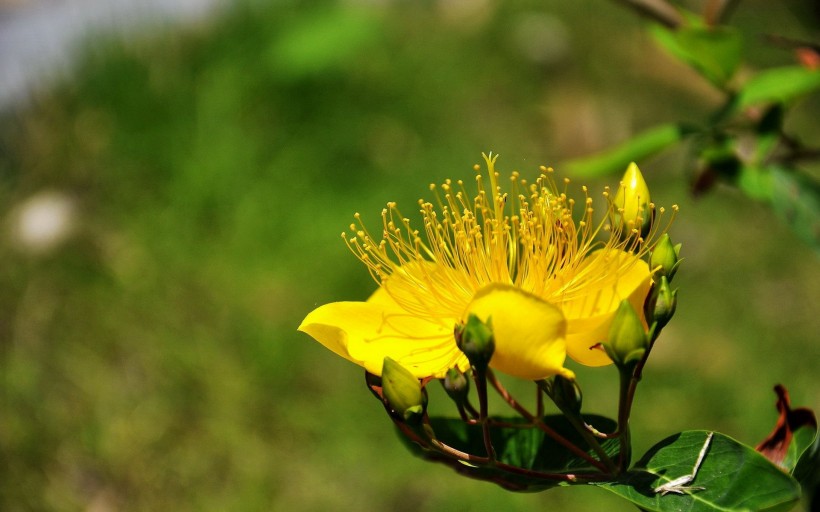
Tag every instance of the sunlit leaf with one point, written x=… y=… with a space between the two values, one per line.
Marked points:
x=527 y=448
x=778 y=85
x=327 y=40
x=755 y=182
x=639 y=147
x=715 y=52
x=733 y=476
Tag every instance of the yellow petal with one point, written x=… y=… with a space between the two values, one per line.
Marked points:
x=589 y=315
x=529 y=332
x=426 y=288
x=367 y=332
x=381 y=297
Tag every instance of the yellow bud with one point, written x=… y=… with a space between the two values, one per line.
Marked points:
x=627 y=340
x=402 y=391
x=632 y=201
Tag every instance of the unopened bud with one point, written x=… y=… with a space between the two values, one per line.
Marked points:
x=402 y=390
x=627 y=341
x=664 y=259
x=661 y=304
x=456 y=385
x=476 y=340
x=632 y=201
x=565 y=392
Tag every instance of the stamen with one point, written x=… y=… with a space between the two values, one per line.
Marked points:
x=528 y=236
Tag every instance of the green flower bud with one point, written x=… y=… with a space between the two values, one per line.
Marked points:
x=632 y=201
x=627 y=341
x=660 y=307
x=476 y=340
x=566 y=393
x=402 y=390
x=664 y=257
x=456 y=385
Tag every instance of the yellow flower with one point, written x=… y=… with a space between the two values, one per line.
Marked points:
x=518 y=260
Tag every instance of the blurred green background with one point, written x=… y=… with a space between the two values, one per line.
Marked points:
x=150 y=359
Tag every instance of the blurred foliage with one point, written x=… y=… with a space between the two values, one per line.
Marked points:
x=150 y=362
x=744 y=140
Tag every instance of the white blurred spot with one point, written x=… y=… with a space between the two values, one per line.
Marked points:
x=40 y=38
x=43 y=221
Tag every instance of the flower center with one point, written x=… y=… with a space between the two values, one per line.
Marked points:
x=528 y=237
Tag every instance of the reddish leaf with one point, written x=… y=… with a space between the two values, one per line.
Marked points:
x=776 y=446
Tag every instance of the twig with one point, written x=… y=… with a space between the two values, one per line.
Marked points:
x=717 y=12
x=537 y=422
x=483 y=409
x=658 y=10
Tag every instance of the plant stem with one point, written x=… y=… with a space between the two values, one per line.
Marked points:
x=537 y=422
x=576 y=420
x=658 y=10
x=483 y=409
x=629 y=379
x=627 y=386
x=459 y=455
x=718 y=11
x=593 y=443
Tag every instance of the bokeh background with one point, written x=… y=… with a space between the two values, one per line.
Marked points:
x=172 y=194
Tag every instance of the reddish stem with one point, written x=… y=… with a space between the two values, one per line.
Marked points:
x=536 y=421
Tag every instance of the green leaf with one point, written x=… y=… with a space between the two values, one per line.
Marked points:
x=517 y=445
x=804 y=452
x=639 y=147
x=327 y=40
x=795 y=199
x=714 y=52
x=777 y=85
x=734 y=476
x=769 y=130
x=807 y=469
x=755 y=182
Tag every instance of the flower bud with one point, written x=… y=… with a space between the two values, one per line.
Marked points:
x=627 y=341
x=456 y=385
x=476 y=340
x=566 y=393
x=402 y=391
x=632 y=201
x=661 y=304
x=664 y=258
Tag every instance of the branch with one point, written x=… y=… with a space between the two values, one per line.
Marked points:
x=658 y=10
x=718 y=11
